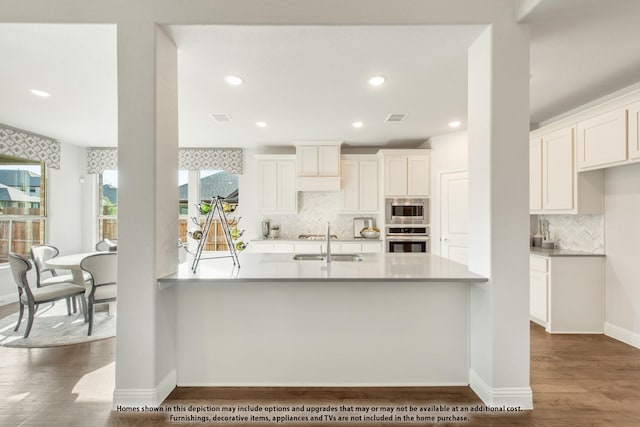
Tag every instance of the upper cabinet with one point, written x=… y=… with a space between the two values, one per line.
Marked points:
x=318 y=165
x=602 y=140
x=360 y=183
x=555 y=187
x=633 y=112
x=406 y=173
x=276 y=184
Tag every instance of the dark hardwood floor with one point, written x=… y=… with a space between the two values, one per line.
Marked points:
x=577 y=380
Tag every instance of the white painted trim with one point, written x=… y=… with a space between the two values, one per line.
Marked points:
x=8 y=298
x=328 y=384
x=140 y=397
x=496 y=397
x=622 y=334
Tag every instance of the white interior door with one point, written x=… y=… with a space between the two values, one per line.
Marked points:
x=454 y=216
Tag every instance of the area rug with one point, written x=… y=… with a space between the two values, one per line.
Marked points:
x=53 y=327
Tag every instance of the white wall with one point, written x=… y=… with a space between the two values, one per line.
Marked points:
x=64 y=213
x=448 y=153
x=622 y=248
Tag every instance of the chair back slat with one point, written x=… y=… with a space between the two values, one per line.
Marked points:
x=40 y=254
x=102 y=267
x=19 y=267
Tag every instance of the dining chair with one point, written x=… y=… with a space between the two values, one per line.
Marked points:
x=32 y=297
x=40 y=254
x=107 y=245
x=103 y=269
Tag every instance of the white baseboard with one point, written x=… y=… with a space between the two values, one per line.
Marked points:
x=497 y=397
x=141 y=397
x=9 y=298
x=622 y=334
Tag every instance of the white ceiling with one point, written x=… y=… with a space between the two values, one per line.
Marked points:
x=309 y=82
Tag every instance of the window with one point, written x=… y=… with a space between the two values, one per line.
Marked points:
x=22 y=206
x=211 y=183
x=108 y=204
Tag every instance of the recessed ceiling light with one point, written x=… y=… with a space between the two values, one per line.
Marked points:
x=455 y=123
x=377 y=80
x=233 y=80
x=41 y=93
x=357 y=125
x=261 y=124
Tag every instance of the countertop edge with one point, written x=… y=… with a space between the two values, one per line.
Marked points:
x=175 y=280
x=562 y=253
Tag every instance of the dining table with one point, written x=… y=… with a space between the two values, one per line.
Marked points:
x=71 y=262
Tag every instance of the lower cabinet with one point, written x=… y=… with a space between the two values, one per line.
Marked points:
x=313 y=247
x=567 y=293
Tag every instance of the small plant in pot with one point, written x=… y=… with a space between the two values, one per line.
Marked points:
x=275 y=231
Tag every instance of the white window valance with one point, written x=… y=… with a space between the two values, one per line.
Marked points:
x=226 y=159
x=30 y=146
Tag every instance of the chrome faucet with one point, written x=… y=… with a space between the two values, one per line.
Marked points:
x=328 y=259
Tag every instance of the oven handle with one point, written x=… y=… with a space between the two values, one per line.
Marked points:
x=407 y=238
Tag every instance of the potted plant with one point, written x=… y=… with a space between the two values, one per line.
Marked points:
x=275 y=231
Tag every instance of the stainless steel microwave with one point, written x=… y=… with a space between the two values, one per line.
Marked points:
x=407 y=211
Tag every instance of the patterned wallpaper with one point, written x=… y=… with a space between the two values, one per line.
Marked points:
x=30 y=146
x=576 y=232
x=315 y=208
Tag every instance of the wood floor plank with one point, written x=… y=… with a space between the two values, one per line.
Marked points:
x=577 y=380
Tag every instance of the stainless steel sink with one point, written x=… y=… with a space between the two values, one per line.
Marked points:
x=335 y=257
x=308 y=257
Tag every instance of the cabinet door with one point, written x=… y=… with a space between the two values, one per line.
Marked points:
x=371 y=247
x=268 y=185
x=602 y=139
x=368 y=185
x=350 y=247
x=633 y=112
x=558 y=174
x=395 y=176
x=418 y=176
x=287 y=196
x=307 y=160
x=535 y=174
x=328 y=160
x=350 y=185
x=538 y=296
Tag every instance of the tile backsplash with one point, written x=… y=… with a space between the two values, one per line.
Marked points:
x=315 y=208
x=576 y=232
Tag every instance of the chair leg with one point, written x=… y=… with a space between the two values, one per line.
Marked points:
x=90 y=314
x=69 y=306
x=19 y=316
x=83 y=307
x=30 y=323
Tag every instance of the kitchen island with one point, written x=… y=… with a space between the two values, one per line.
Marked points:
x=388 y=320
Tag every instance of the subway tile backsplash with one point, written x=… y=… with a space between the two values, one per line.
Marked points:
x=576 y=232
x=315 y=208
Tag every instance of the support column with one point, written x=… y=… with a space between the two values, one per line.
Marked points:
x=148 y=213
x=499 y=217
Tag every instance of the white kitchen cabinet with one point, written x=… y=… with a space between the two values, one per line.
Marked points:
x=535 y=174
x=538 y=289
x=276 y=184
x=602 y=140
x=318 y=165
x=371 y=247
x=555 y=186
x=406 y=173
x=558 y=173
x=567 y=293
x=633 y=112
x=359 y=183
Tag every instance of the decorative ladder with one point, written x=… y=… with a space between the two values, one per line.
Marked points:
x=216 y=208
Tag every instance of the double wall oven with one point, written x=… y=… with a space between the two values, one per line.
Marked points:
x=407 y=225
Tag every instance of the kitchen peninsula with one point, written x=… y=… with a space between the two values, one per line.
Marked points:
x=388 y=320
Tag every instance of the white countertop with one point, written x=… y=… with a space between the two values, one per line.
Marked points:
x=560 y=252
x=294 y=240
x=383 y=267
